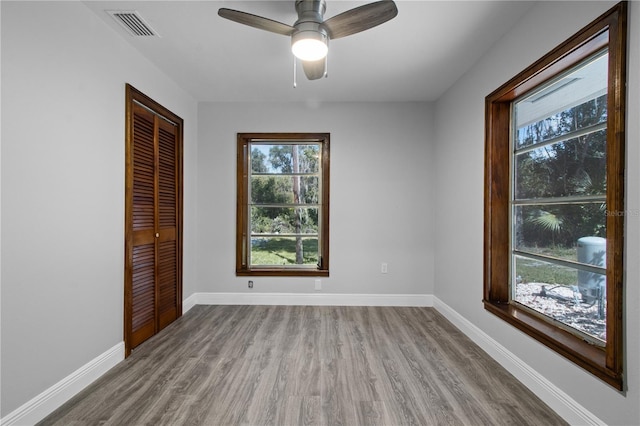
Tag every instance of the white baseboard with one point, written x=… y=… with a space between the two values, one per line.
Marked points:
x=311 y=299
x=189 y=303
x=554 y=397
x=48 y=401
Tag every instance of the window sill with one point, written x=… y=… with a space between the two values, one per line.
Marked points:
x=584 y=354
x=282 y=272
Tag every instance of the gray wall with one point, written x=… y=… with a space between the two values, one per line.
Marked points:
x=460 y=173
x=381 y=194
x=63 y=97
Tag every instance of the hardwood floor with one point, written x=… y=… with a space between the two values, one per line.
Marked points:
x=299 y=365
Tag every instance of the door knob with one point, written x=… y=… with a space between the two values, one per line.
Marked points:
x=157 y=235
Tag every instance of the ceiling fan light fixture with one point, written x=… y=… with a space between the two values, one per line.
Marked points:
x=310 y=33
x=309 y=45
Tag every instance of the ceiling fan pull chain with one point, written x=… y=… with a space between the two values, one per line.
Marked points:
x=326 y=66
x=295 y=84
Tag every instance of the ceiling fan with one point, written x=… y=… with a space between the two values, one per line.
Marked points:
x=310 y=34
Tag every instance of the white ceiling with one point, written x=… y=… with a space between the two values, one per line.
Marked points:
x=416 y=56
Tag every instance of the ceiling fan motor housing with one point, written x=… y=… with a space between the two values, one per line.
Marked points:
x=310 y=10
x=310 y=21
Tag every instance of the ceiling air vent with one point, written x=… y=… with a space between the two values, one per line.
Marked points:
x=133 y=23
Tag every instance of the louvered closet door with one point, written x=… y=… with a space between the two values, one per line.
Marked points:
x=167 y=249
x=143 y=283
x=154 y=285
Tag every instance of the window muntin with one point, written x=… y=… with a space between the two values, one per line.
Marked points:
x=559 y=200
x=283 y=204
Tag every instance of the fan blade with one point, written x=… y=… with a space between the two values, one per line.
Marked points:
x=361 y=18
x=256 y=21
x=315 y=69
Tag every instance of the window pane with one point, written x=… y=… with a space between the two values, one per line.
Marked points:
x=554 y=230
x=574 y=298
x=280 y=189
x=283 y=251
x=284 y=220
x=575 y=101
x=573 y=167
x=285 y=158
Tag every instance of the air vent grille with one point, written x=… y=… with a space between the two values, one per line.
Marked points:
x=133 y=23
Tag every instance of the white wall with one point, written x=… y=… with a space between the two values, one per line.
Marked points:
x=381 y=194
x=63 y=99
x=459 y=163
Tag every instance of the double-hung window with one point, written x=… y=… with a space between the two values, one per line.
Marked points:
x=554 y=202
x=283 y=204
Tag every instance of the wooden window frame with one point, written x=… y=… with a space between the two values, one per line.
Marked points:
x=242 y=212
x=609 y=30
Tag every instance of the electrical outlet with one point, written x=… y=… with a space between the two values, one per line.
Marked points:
x=250 y=284
x=383 y=268
x=318 y=285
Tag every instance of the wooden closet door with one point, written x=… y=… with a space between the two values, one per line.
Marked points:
x=153 y=243
x=167 y=258
x=143 y=280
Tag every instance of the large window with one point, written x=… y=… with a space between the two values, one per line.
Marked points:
x=283 y=204
x=554 y=205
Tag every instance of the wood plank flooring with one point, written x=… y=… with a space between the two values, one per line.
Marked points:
x=307 y=365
